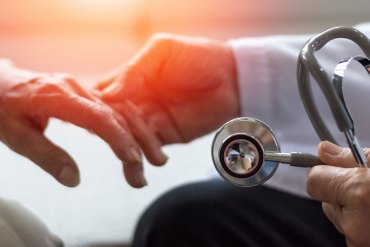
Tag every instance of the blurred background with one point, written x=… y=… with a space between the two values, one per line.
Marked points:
x=88 y=38
x=91 y=36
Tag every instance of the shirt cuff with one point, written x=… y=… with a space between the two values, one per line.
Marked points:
x=252 y=75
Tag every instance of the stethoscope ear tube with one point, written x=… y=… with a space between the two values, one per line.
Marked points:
x=307 y=64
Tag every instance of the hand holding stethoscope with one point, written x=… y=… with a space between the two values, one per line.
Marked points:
x=246 y=152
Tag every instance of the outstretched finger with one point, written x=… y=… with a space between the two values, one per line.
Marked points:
x=143 y=133
x=27 y=140
x=97 y=118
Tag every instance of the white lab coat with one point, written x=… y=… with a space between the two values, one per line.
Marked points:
x=266 y=70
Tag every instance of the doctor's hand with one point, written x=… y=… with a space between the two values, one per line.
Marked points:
x=173 y=90
x=29 y=99
x=344 y=190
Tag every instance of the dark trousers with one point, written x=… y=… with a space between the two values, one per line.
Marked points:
x=215 y=213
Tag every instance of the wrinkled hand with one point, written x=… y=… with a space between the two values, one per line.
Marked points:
x=175 y=89
x=344 y=190
x=28 y=100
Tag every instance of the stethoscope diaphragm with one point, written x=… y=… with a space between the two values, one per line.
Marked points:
x=238 y=150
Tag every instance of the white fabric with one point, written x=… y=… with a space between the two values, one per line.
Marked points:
x=266 y=69
x=20 y=228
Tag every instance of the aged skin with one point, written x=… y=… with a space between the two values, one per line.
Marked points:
x=344 y=190
x=29 y=99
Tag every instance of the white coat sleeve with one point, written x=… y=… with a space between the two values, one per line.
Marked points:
x=266 y=71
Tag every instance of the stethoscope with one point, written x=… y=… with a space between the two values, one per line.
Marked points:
x=245 y=150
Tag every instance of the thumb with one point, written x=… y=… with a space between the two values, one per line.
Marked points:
x=128 y=84
x=31 y=143
x=334 y=155
x=142 y=68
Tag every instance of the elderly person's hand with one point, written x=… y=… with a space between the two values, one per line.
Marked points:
x=344 y=190
x=175 y=89
x=29 y=99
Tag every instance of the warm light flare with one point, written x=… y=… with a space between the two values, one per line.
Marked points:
x=100 y=5
x=101 y=9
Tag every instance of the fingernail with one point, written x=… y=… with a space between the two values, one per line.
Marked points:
x=68 y=176
x=164 y=157
x=331 y=148
x=141 y=179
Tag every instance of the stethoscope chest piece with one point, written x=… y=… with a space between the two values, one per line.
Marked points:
x=238 y=150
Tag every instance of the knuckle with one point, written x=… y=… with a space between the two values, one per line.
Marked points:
x=49 y=85
x=101 y=112
x=162 y=40
x=68 y=79
x=44 y=93
x=47 y=88
x=161 y=37
x=15 y=92
x=102 y=115
x=359 y=187
x=23 y=94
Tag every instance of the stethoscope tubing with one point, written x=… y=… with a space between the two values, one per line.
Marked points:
x=307 y=64
x=297 y=159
